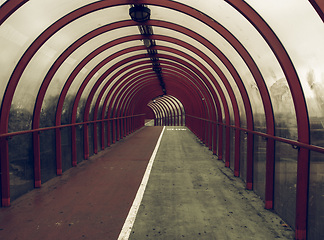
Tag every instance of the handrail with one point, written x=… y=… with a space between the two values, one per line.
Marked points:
x=295 y=144
x=64 y=126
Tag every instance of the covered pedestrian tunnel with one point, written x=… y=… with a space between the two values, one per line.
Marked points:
x=245 y=76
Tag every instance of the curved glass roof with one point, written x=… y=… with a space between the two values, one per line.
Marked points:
x=251 y=66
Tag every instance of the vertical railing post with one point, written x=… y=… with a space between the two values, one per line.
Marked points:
x=302 y=193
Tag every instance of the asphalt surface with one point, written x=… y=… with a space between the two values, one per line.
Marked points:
x=191 y=195
x=90 y=201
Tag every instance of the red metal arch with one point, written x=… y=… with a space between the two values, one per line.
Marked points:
x=74 y=111
x=319 y=7
x=100 y=94
x=139 y=101
x=181 y=110
x=150 y=77
x=104 y=105
x=300 y=108
x=301 y=118
x=183 y=82
x=176 y=112
x=59 y=111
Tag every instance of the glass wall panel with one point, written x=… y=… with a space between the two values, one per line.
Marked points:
x=215 y=59
x=220 y=83
x=22 y=27
x=89 y=47
x=224 y=144
x=19 y=119
x=67 y=110
x=99 y=73
x=66 y=142
x=317 y=129
x=90 y=126
x=115 y=83
x=21 y=165
x=106 y=138
x=222 y=44
x=99 y=127
x=13 y=45
x=79 y=143
x=47 y=117
x=47 y=155
x=316 y=197
x=37 y=68
x=232 y=148
x=304 y=45
x=259 y=165
x=285 y=182
x=283 y=107
x=243 y=155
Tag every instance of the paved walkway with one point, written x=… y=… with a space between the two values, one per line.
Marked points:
x=90 y=201
x=190 y=195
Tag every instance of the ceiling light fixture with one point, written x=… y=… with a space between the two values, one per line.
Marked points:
x=140 y=13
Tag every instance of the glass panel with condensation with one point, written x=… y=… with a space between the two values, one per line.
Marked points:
x=209 y=68
x=49 y=52
x=75 y=58
x=316 y=197
x=243 y=155
x=261 y=54
x=16 y=35
x=104 y=69
x=301 y=31
x=21 y=29
x=285 y=182
x=21 y=165
x=98 y=74
x=119 y=79
x=214 y=58
x=222 y=44
x=259 y=165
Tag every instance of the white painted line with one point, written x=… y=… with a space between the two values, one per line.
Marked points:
x=128 y=225
x=176 y=129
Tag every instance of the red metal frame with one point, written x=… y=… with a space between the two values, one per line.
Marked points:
x=300 y=108
x=319 y=7
x=265 y=31
x=58 y=138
